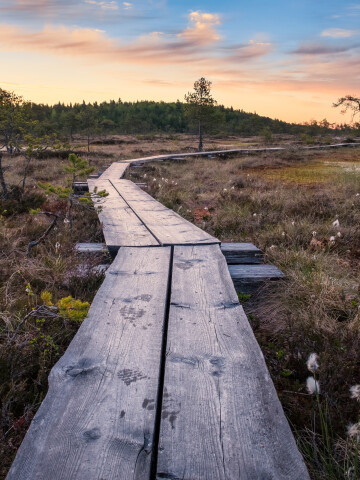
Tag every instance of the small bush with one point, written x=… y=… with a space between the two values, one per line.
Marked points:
x=18 y=203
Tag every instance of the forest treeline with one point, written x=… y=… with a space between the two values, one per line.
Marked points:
x=141 y=117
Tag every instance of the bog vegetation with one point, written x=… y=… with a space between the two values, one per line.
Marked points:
x=303 y=211
x=301 y=208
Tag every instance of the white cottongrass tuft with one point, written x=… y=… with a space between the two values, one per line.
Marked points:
x=332 y=239
x=353 y=431
x=339 y=234
x=355 y=392
x=336 y=223
x=312 y=386
x=314 y=233
x=312 y=362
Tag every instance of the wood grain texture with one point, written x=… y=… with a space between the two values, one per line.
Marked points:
x=121 y=227
x=241 y=253
x=167 y=226
x=221 y=417
x=97 y=420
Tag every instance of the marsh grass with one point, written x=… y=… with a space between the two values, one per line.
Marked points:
x=282 y=203
x=315 y=309
x=30 y=345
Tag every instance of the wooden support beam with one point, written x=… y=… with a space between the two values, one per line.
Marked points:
x=80 y=187
x=243 y=253
x=248 y=278
x=221 y=417
x=98 y=418
x=91 y=248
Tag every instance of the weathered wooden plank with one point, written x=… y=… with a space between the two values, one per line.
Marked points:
x=97 y=420
x=246 y=253
x=115 y=171
x=121 y=226
x=167 y=226
x=221 y=417
x=91 y=247
x=248 y=278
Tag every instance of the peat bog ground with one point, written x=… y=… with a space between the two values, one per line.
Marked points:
x=301 y=208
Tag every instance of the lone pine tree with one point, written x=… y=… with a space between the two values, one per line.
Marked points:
x=200 y=106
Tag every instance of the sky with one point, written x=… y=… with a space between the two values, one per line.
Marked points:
x=284 y=59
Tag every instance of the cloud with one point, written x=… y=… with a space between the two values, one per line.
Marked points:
x=95 y=44
x=339 y=33
x=189 y=45
x=202 y=28
x=322 y=49
x=248 y=51
x=104 y=5
x=63 y=11
x=36 y=6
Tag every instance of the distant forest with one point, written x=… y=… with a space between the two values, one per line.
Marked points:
x=142 y=117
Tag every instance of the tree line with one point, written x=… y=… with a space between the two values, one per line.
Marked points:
x=29 y=128
x=140 y=117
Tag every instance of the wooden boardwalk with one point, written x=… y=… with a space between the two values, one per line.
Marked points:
x=164 y=379
x=244 y=151
x=131 y=217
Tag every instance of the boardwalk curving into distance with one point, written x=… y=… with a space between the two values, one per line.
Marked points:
x=164 y=379
x=179 y=156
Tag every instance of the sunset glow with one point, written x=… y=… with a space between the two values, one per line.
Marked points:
x=287 y=60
